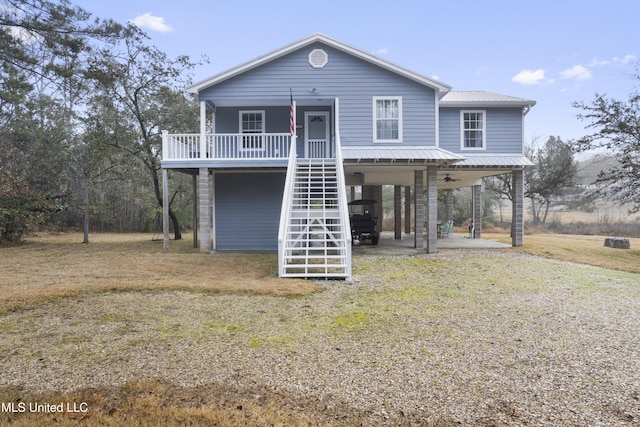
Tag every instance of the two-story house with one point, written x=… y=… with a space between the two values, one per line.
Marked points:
x=284 y=137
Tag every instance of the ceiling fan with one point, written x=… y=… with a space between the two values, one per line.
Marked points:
x=447 y=178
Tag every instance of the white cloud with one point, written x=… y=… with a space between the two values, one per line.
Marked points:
x=577 y=72
x=627 y=59
x=155 y=23
x=529 y=77
x=383 y=51
x=24 y=35
x=597 y=63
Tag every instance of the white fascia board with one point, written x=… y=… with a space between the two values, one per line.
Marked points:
x=481 y=104
x=476 y=99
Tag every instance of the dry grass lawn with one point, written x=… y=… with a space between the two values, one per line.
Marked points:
x=155 y=403
x=52 y=267
x=581 y=249
x=47 y=267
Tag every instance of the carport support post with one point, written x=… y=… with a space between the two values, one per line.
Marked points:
x=449 y=206
x=397 y=211
x=377 y=208
x=194 y=186
x=517 y=214
x=477 y=211
x=204 y=204
x=407 y=209
x=165 y=209
x=419 y=208
x=374 y=192
x=432 y=209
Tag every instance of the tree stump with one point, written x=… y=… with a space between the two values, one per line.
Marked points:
x=617 y=242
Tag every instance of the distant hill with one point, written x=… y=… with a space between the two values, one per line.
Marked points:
x=589 y=169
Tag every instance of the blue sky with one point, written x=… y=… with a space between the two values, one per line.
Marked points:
x=554 y=52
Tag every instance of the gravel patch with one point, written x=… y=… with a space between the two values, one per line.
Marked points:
x=460 y=337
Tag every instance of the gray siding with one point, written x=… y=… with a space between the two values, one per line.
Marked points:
x=352 y=80
x=248 y=210
x=503 y=126
x=276 y=119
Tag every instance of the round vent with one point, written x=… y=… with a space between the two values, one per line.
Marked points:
x=318 y=58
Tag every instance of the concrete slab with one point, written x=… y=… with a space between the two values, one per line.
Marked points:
x=390 y=246
x=461 y=241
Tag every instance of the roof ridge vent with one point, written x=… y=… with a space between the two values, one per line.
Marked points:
x=318 y=58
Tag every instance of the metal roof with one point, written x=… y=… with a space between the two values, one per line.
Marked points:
x=391 y=153
x=494 y=160
x=481 y=98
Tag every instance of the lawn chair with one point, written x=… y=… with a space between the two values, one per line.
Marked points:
x=445 y=229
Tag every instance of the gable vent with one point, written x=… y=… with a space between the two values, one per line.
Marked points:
x=318 y=58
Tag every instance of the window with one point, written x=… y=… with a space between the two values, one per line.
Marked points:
x=252 y=123
x=473 y=130
x=387 y=119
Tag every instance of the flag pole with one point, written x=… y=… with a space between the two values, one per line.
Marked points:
x=292 y=120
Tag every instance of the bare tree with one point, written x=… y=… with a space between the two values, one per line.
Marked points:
x=616 y=129
x=553 y=174
x=142 y=89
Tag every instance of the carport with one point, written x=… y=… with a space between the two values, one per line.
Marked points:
x=388 y=245
x=424 y=171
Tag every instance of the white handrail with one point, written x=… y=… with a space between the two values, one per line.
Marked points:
x=342 y=192
x=286 y=200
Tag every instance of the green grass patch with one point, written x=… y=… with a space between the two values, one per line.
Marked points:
x=220 y=327
x=356 y=319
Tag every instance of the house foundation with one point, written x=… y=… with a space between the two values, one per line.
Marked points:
x=517 y=214
x=432 y=209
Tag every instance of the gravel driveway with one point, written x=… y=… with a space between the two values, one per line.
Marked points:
x=486 y=337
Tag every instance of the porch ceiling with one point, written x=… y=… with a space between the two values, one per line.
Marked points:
x=403 y=174
x=212 y=105
x=393 y=165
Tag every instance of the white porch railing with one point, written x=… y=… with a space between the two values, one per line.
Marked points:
x=320 y=148
x=263 y=146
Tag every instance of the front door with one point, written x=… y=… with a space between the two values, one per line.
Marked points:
x=316 y=135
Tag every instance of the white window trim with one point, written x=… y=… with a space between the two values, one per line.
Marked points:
x=484 y=131
x=375 y=119
x=264 y=125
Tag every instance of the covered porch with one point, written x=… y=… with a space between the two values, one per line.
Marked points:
x=389 y=245
x=417 y=174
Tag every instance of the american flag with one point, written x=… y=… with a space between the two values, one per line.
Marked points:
x=292 y=117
